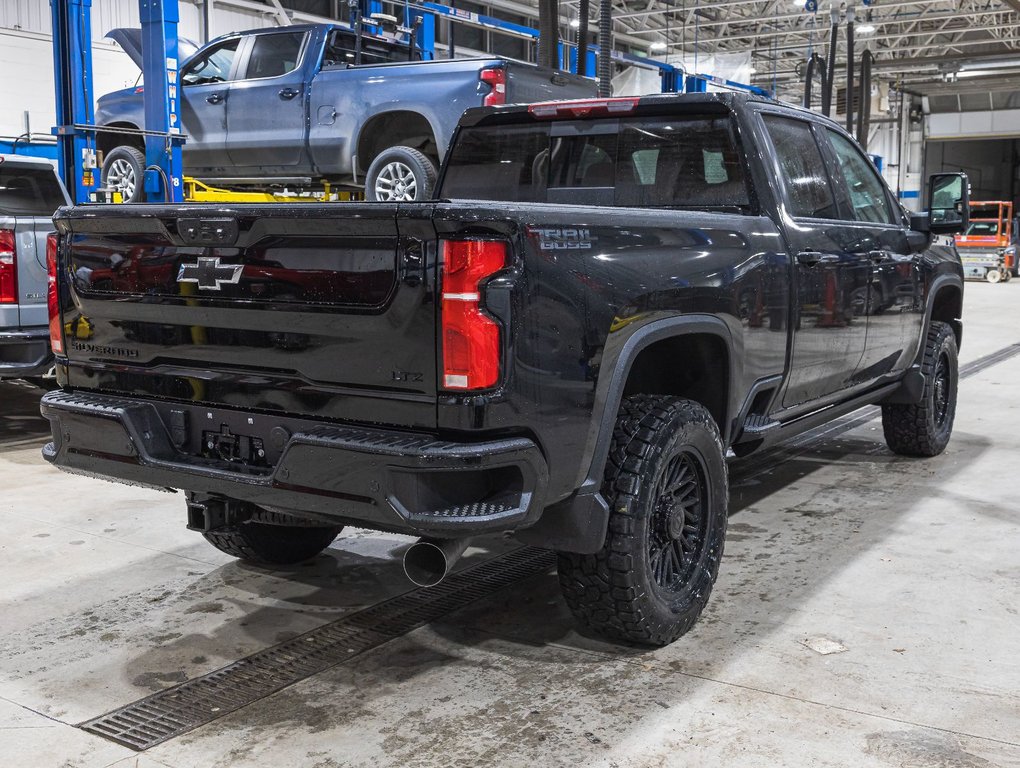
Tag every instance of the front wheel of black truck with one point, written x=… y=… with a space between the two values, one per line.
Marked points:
x=924 y=429
x=272 y=540
x=668 y=494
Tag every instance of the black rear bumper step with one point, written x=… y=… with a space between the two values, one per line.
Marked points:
x=409 y=482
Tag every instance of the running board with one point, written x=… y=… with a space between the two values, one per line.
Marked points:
x=776 y=431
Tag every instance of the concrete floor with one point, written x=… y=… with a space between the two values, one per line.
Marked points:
x=911 y=566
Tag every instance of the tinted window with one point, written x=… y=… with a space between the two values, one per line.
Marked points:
x=31 y=191
x=274 y=55
x=213 y=66
x=683 y=162
x=868 y=201
x=808 y=191
x=340 y=51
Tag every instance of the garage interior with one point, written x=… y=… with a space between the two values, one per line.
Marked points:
x=866 y=610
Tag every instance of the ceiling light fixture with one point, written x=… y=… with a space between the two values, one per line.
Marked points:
x=865 y=29
x=660 y=46
x=575 y=23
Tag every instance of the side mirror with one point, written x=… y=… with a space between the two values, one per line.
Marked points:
x=948 y=203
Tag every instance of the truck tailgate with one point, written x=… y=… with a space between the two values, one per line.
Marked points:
x=527 y=83
x=300 y=309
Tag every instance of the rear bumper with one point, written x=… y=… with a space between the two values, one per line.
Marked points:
x=406 y=482
x=25 y=353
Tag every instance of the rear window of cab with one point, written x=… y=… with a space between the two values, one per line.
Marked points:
x=689 y=161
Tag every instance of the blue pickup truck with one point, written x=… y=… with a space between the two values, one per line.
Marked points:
x=297 y=104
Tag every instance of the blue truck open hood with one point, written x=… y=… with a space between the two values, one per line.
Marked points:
x=130 y=39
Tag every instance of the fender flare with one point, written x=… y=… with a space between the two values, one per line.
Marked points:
x=579 y=522
x=912 y=385
x=940 y=282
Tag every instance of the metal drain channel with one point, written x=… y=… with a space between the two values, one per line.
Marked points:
x=166 y=714
x=163 y=715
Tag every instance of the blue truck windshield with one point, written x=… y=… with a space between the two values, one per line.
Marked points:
x=675 y=162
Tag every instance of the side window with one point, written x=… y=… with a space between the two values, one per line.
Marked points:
x=684 y=162
x=274 y=54
x=213 y=66
x=808 y=191
x=868 y=200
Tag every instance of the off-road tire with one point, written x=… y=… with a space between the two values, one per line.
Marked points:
x=924 y=429
x=133 y=158
x=272 y=543
x=418 y=163
x=617 y=592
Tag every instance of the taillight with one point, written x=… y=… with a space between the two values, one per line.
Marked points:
x=471 y=339
x=8 y=267
x=496 y=79
x=584 y=107
x=52 y=300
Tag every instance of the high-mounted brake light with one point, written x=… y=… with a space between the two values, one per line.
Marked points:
x=471 y=339
x=52 y=301
x=8 y=267
x=495 y=77
x=584 y=107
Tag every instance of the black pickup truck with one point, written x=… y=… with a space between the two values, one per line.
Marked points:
x=607 y=299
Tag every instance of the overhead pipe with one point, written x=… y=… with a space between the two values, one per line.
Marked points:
x=815 y=63
x=605 y=61
x=582 y=37
x=850 y=69
x=428 y=561
x=864 y=114
x=548 y=33
x=830 y=70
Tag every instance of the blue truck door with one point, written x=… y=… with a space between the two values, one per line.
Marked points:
x=831 y=273
x=205 y=89
x=266 y=125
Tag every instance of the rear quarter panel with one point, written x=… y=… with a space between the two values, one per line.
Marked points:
x=439 y=91
x=578 y=298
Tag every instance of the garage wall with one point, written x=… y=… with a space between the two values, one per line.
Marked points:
x=991 y=165
x=26 y=58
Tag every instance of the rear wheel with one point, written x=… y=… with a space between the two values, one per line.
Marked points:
x=924 y=429
x=666 y=484
x=993 y=276
x=123 y=171
x=280 y=541
x=400 y=174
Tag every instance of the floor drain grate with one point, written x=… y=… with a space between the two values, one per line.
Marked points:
x=184 y=707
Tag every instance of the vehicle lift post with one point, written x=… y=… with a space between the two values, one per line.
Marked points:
x=75 y=131
x=164 y=170
x=72 y=68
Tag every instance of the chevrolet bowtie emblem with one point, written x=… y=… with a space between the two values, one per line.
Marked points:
x=210 y=274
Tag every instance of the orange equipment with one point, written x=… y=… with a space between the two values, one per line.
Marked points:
x=985 y=247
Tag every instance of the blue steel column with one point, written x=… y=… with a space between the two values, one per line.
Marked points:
x=160 y=69
x=72 y=70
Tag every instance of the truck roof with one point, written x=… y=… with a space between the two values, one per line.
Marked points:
x=621 y=105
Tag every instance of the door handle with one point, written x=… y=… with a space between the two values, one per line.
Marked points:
x=215 y=98
x=877 y=256
x=810 y=258
x=288 y=93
